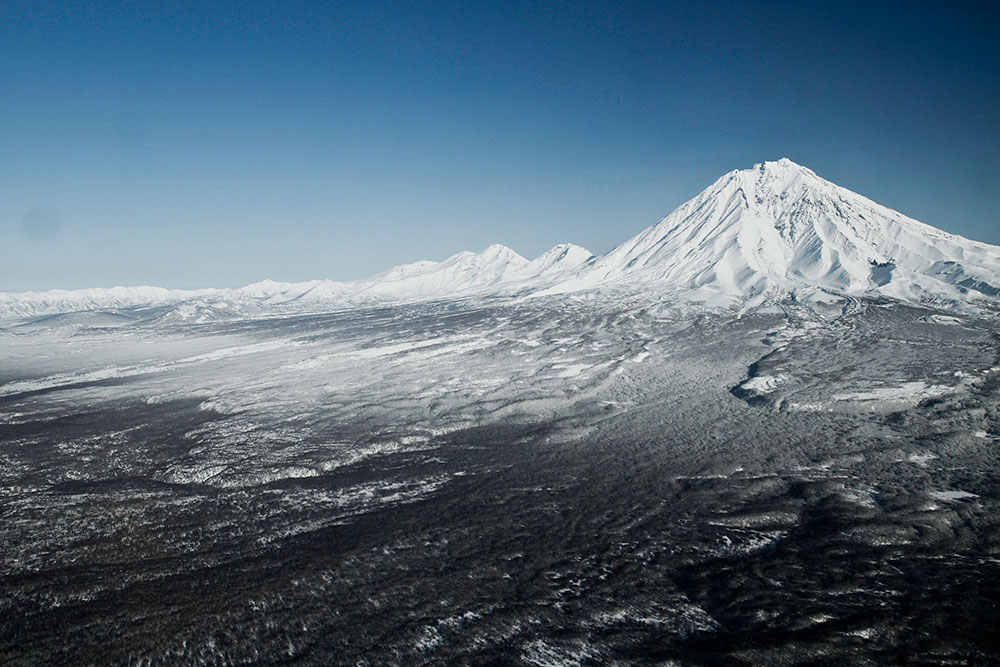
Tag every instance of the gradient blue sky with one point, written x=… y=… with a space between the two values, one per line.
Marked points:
x=217 y=144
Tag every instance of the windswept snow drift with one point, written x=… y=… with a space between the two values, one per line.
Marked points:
x=774 y=230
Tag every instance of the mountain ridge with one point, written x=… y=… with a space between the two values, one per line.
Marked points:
x=755 y=234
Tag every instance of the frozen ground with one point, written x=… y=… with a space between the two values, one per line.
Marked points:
x=549 y=481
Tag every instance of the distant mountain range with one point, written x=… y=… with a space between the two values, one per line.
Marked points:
x=771 y=231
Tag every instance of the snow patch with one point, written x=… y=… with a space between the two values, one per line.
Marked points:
x=952 y=495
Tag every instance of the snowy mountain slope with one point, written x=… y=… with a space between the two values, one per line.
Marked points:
x=464 y=272
x=779 y=228
x=29 y=304
x=495 y=269
x=560 y=259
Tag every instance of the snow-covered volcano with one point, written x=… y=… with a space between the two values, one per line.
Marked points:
x=779 y=228
x=773 y=230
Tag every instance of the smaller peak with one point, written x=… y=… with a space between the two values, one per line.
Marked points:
x=497 y=249
x=560 y=257
x=564 y=250
x=500 y=251
x=560 y=247
x=266 y=282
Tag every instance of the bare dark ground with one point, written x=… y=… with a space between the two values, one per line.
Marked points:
x=648 y=516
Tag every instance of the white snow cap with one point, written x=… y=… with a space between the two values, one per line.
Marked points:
x=778 y=227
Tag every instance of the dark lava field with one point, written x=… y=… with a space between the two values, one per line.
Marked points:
x=565 y=481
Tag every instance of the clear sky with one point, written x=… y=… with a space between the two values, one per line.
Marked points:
x=194 y=144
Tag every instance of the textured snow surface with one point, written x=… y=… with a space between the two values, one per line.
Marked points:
x=753 y=236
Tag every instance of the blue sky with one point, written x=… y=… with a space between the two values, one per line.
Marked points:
x=215 y=144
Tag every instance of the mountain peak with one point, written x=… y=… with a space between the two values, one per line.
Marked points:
x=564 y=250
x=781 y=172
x=500 y=251
x=780 y=179
x=779 y=228
x=780 y=163
x=559 y=258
